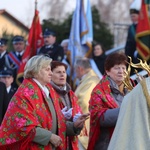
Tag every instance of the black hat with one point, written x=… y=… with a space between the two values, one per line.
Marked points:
x=134 y=11
x=48 y=32
x=135 y=7
x=3 y=41
x=17 y=39
x=6 y=73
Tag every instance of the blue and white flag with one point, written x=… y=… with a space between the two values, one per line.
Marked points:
x=81 y=34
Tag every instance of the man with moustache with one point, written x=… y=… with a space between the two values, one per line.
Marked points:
x=50 y=47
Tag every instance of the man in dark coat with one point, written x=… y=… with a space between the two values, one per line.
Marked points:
x=19 y=46
x=50 y=47
x=130 y=47
x=6 y=76
x=14 y=57
x=3 y=52
x=3 y=101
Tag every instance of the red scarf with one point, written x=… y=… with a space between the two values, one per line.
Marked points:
x=76 y=109
x=101 y=100
x=28 y=109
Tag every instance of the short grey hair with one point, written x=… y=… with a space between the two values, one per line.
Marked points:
x=83 y=62
x=35 y=64
x=64 y=42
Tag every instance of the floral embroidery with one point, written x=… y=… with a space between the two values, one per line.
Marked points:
x=101 y=100
x=23 y=115
x=28 y=92
x=20 y=122
x=9 y=140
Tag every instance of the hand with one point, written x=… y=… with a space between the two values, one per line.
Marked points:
x=76 y=116
x=67 y=114
x=55 y=140
x=81 y=120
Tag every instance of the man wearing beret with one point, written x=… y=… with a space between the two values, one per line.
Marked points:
x=50 y=47
x=3 y=52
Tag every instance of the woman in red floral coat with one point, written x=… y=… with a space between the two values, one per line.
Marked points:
x=68 y=103
x=34 y=120
x=105 y=101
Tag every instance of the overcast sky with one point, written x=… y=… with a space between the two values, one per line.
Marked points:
x=23 y=10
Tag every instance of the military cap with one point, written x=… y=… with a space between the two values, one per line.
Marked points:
x=134 y=11
x=17 y=39
x=135 y=7
x=6 y=72
x=3 y=41
x=48 y=32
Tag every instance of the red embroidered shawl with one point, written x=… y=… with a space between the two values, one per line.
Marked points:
x=101 y=100
x=28 y=109
x=76 y=109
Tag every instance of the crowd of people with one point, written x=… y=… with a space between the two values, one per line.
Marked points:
x=44 y=112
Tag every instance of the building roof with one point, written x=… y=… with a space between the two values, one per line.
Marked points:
x=4 y=12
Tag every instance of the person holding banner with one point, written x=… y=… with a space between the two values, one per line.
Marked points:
x=130 y=47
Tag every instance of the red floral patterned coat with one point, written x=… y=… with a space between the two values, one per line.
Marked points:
x=101 y=100
x=28 y=109
x=76 y=109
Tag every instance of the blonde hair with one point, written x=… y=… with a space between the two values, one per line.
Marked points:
x=34 y=65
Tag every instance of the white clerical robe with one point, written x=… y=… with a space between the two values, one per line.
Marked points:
x=132 y=131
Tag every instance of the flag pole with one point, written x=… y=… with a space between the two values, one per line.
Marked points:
x=35 y=41
x=35 y=4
